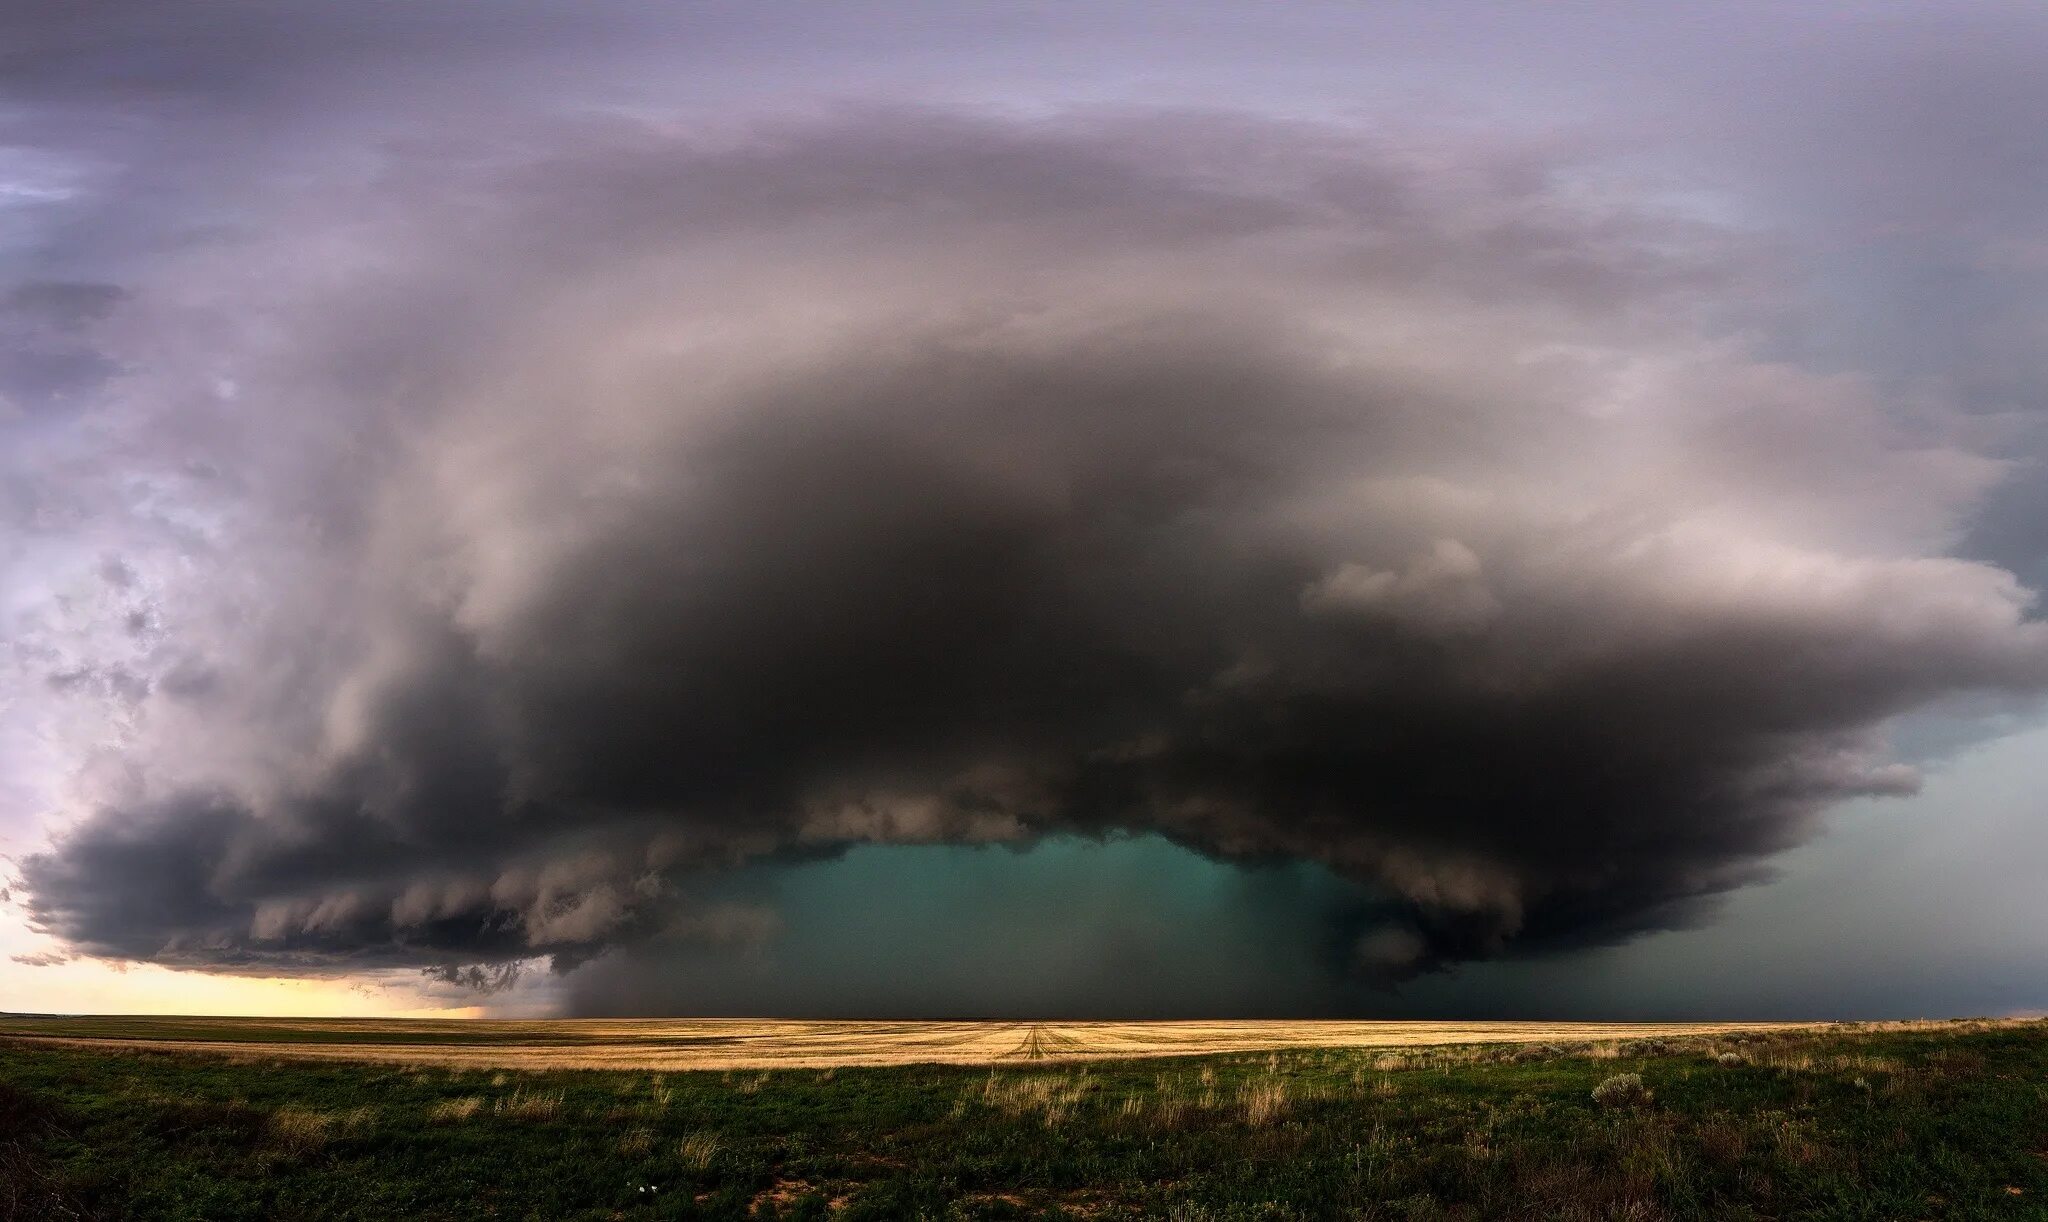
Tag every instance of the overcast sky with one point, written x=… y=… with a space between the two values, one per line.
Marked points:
x=1451 y=510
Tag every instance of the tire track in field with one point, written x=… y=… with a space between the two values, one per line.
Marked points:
x=1043 y=1042
x=1033 y=1047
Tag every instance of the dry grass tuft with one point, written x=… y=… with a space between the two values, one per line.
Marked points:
x=1263 y=1101
x=297 y=1130
x=1053 y=1096
x=636 y=1141
x=523 y=1104
x=453 y=1111
x=698 y=1149
x=1170 y=1111
x=1168 y=1105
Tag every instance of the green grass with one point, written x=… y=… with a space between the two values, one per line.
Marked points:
x=1872 y=1124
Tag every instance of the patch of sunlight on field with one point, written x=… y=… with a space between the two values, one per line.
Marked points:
x=769 y=1044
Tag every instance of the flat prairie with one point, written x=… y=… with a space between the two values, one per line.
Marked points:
x=226 y=1120
x=714 y=1043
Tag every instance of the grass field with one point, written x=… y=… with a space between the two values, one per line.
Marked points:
x=667 y=1044
x=1862 y=1122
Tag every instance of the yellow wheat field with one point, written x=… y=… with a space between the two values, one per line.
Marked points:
x=674 y=1044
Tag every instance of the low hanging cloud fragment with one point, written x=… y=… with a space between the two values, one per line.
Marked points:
x=669 y=503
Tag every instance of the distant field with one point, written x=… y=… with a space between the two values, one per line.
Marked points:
x=1867 y=1122
x=669 y=1044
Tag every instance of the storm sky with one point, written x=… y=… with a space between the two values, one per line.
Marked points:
x=900 y=510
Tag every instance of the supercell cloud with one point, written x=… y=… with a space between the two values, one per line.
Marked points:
x=605 y=510
x=446 y=535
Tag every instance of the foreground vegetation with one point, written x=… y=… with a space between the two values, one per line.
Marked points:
x=1943 y=1122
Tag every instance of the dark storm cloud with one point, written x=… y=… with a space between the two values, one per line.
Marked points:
x=477 y=978
x=682 y=500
